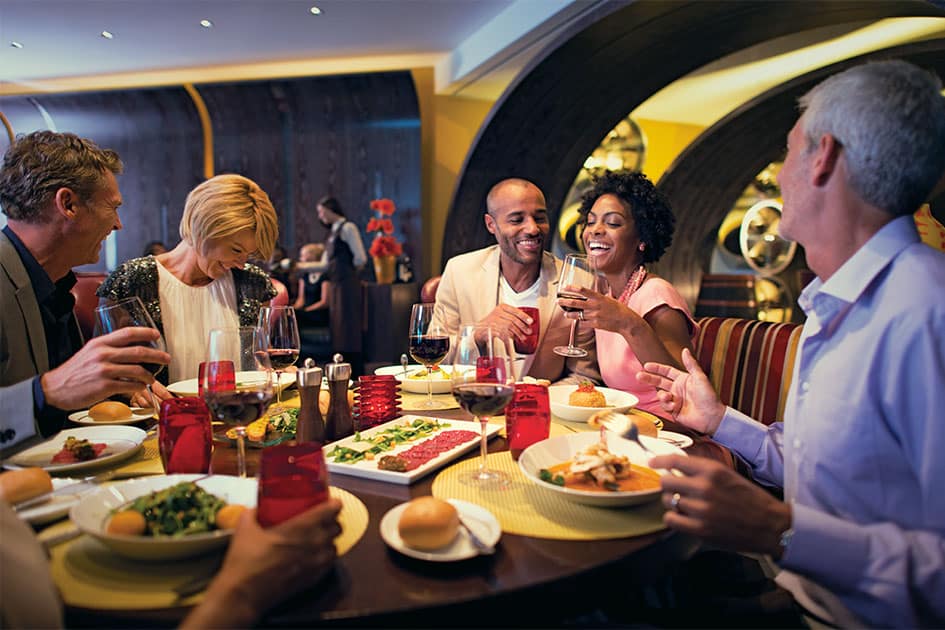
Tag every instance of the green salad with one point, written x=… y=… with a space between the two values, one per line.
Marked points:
x=181 y=510
x=385 y=440
x=285 y=421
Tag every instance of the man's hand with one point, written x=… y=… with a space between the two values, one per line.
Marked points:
x=721 y=507
x=103 y=367
x=508 y=322
x=264 y=567
x=142 y=399
x=688 y=395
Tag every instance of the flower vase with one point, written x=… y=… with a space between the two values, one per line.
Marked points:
x=384 y=267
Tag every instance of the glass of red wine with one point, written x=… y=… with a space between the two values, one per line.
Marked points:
x=237 y=382
x=429 y=345
x=279 y=331
x=130 y=311
x=576 y=273
x=483 y=383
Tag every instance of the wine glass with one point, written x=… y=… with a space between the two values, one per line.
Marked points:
x=483 y=383
x=279 y=338
x=130 y=311
x=576 y=273
x=429 y=344
x=237 y=381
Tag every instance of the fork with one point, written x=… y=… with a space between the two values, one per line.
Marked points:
x=623 y=426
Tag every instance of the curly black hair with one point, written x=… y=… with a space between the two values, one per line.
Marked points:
x=650 y=209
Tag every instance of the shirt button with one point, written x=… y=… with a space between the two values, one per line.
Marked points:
x=805 y=386
x=797 y=442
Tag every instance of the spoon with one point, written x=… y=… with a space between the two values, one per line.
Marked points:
x=403 y=363
x=623 y=426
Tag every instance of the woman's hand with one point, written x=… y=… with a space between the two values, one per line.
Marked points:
x=602 y=312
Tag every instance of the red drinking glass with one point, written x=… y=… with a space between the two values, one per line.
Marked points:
x=292 y=478
x=184 y=436
x=527 y=417
x=491 y=370
x=530 y=343
x=216 y=376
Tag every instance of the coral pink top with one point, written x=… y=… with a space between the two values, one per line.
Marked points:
x=618 y=363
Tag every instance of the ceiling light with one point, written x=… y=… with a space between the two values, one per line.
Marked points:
x=16 y=44
x=107 y=35
x=206 y=23
x=315 y=11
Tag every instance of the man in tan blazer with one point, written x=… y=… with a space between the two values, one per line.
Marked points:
x=486 y=286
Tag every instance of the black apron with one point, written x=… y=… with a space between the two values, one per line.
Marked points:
x=346 y=302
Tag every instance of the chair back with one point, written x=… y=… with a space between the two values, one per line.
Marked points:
x=87 y=283
x=749 y=362
x=428 y=290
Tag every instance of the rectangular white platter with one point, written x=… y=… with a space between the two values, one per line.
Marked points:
x=368 y=468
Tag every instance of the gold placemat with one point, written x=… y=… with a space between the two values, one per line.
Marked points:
x=89 y=575
x=410 y=401
x=526 y=509
x=146 y=462
x=583 y=426
x=553 y=431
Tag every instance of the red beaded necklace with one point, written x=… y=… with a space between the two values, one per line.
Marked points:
x=633 y=283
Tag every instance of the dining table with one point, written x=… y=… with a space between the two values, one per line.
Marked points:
x=529 y=580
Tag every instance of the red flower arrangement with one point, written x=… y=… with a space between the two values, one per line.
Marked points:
x=383 y=244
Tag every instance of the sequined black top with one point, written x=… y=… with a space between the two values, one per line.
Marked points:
x=139 y=276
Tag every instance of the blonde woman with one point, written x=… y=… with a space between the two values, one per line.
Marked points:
x=314 y=293
x=205 y=282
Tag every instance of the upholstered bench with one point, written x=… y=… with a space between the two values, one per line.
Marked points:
x=749 y=362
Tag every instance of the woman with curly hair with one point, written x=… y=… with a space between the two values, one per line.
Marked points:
x=640 y=317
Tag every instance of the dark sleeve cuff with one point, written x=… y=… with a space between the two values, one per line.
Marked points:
x=49 y=420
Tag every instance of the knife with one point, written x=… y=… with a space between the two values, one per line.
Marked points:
x=68 y=489
x=477 y=542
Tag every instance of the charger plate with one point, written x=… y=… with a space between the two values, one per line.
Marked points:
x=88 y=575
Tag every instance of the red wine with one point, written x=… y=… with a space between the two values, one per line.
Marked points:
x=281 y=358
x=238 y=408
x=571 y=296
x=429 y=350
x=483 y=399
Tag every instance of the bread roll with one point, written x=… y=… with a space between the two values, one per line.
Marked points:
x=20 y=485
x=324 y=399
x=428 y=523
x=110 y=410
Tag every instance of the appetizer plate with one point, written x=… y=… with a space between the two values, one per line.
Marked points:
x=93 y=510
x=676 y=439
x=558 y=395
x=121 y=443
x=189 y=387
x=476 y=518
x=137 y=415
x=418 y=384
x=368 y=468
x=556 y=450
x=58 y=505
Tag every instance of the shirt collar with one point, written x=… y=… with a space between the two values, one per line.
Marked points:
x=858 y=272
x=43 y=286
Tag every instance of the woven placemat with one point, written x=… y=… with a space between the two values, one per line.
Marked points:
x=411 y=401
x=583 y=426
x=89 y=575
x=146 y=462
x=527 y=509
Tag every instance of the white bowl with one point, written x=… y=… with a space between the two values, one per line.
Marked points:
x=556 y=450
x=617 y=400
x=92 y=512
x=441 y=383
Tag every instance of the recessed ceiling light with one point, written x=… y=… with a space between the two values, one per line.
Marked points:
x=107 y=35
x=315 y=11
x=206 y=23
x=16 y=44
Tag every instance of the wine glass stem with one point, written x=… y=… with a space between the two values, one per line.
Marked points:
x=482 y=445
x=430 y=386
x=278 y=390
x=574 y=324
x=153 y=399
x=241 y=452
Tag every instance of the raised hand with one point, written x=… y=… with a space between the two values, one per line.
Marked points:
x=106 y=365
x=688 y=395
x=720 y=506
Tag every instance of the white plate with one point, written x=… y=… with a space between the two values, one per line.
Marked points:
x=368 y=468
x=676 y=439
x=58 y=505
x=558 y=395
x=477 y=518
x=82 y=417
x=93 y=510
x=189 y=387
x=441 y=385
x=122 y=442
x=556 y=450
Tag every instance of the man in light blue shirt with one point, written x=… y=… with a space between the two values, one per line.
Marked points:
x=860 y=535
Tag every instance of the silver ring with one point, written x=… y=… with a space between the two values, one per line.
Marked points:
x=674 y=502
x=581 y=315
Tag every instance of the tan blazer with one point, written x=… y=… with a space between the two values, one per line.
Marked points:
x=469 y=291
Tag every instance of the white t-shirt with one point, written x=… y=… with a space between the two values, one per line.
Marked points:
x=189 y=314
x=528 y=297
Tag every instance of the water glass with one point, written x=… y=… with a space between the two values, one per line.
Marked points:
x=527 y=418
x=292 y=478
x=185 y=438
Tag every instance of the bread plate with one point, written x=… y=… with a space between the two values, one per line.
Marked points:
x=475 y=517
x=558 y=396
x=58 y=505
x=138 y=414
x=121 y=443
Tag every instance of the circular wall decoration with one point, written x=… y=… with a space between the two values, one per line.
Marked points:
x=762 y=246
